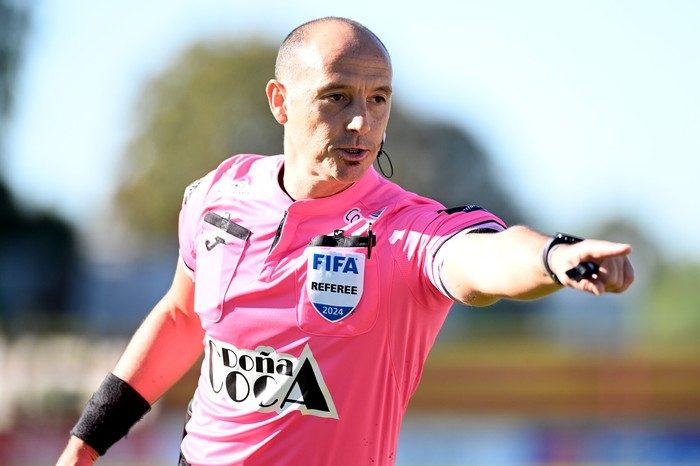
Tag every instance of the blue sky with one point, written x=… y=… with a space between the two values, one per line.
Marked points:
x=590 y=109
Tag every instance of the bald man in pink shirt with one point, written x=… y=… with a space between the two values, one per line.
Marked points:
x=316 y=287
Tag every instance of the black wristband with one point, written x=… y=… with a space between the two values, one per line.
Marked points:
x=559 y=238
x=109 y=414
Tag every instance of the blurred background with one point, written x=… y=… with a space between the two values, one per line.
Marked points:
x=579 y=117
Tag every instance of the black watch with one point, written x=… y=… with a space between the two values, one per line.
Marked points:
x=582 y=270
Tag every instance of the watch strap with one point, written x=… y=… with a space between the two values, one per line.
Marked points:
x=559 y=238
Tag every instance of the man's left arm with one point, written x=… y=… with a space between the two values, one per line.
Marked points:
x=481 y=268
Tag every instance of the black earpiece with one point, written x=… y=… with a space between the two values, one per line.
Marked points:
x=379 y=162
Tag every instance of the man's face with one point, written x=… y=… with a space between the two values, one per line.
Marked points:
x=337 y=107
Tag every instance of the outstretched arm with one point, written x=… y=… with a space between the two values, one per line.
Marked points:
x=164 y=347
x=480 y=269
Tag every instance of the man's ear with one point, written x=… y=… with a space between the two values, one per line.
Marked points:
x=276 y=96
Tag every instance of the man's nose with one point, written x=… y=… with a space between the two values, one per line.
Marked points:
x=359 y=121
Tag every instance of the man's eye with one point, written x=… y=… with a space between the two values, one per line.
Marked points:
x=335 y=97
x=379 y=99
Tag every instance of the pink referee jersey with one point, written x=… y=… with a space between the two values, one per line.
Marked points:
x=319 y=314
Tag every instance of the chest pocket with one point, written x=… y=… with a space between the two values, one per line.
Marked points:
x=219 y=249
x=337 y=288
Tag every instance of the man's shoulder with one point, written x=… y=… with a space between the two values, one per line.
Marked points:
x=234 y=167
x=243 y=164
x=407 y=207
x=404 y=202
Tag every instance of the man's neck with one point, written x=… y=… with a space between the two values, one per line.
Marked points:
x=299 y=189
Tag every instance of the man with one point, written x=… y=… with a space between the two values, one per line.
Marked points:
x=315 y=286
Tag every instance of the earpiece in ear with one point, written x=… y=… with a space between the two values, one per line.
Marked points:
x=379 y=163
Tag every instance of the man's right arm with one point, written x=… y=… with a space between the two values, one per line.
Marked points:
x=164 y=347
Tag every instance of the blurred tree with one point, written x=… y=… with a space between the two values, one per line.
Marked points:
x=671 y=314
x=37 y=264
x=14 y=22
x=37 y=250
x=211 y=104
x=443 y=162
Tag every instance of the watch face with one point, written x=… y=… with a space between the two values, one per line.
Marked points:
x=563 y=238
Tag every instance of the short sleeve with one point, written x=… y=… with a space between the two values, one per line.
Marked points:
x=419 y=233
x=191 y=213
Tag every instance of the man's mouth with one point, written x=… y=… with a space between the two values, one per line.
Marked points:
x=353 y=153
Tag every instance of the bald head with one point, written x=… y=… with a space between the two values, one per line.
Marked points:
x=344 y=35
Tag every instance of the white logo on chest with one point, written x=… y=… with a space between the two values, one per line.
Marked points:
x=334 y=282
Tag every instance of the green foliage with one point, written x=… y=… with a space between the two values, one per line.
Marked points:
x=14 y=22
x=13 y=26
x=672 y=311
x=209 y=105
x=444 y=163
